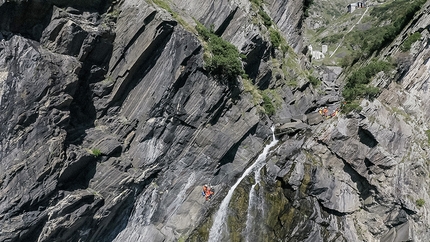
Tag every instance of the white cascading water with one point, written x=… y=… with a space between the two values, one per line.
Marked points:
x=220 y=216
x=253 y=203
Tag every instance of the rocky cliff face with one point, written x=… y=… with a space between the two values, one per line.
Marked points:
x=111 y=122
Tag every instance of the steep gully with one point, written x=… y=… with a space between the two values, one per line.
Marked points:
x=218 y=226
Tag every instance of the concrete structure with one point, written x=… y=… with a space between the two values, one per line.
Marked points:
x=316 y=55
x=324 y=49
x=351 y=7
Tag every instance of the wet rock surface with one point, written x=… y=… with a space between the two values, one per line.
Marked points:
x=111 y=122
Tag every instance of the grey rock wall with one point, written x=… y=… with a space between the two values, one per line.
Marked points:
x=111 y=123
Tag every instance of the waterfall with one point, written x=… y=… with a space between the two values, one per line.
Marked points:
x=252 y=202
x=220 y=216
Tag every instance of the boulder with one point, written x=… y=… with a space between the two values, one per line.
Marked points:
x=403 y=232
x=290 y=128
x=314 y=118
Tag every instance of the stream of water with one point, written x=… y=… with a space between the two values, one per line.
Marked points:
x=220 y=222
x=253 y=204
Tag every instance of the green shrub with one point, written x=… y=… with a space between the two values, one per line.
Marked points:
x=257 y=2
x=357 y=83
x=314 y=81
x=351 y=59
x=162 y=4
x=420 y=202
x=96 y=152
x=268 y=106
x=225 y=59
x=292 y=82
x=351 y=106
x=204 y=32
x=275 y=38
x=267 y=21
x=406 y=46
x=284 y=48
x=306 y=6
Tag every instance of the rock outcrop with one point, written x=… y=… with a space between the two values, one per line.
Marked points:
x=111 y=121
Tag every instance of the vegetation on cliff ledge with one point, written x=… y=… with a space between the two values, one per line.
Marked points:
x=358 y=83
x=406 y=46
x=224 y=58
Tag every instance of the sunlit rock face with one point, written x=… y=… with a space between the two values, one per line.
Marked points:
x=111 y=122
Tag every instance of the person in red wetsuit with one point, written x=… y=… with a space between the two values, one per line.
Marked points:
x=207 y=191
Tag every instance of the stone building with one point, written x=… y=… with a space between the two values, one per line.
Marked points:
x=353 y=6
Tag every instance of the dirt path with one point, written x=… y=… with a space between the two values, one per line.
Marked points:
x=341 y=42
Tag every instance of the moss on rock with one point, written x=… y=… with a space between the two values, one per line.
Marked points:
x=201 y=234
x=238 y=210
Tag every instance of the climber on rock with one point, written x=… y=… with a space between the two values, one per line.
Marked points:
x=325 y=111
x=207 y=192
x=335 y=112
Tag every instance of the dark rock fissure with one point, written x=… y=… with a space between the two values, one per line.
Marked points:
x=331 y=211
x=226 y=22
x=27 y=18
x=216 y=111
x=82 y=110
x=366 y=137
x=81 y=179
x=138 y=33
x=254 y=58
x=144 y=63
x=368 y=163
x=364 y=187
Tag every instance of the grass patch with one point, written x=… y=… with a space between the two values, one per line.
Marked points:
x=428 y=135
x=96 y=152
x=292 y=82
x=268 y=106
x=165 y=6
x=258 y=4
x=314 y=81
x=332 y=39
x=381 y=25
x=266 y=101
x=224 y=59
x=253 y=90
x=420 y=202
x=406 y=117
x=113 y=15
x=275 y=38
x=406 y=46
